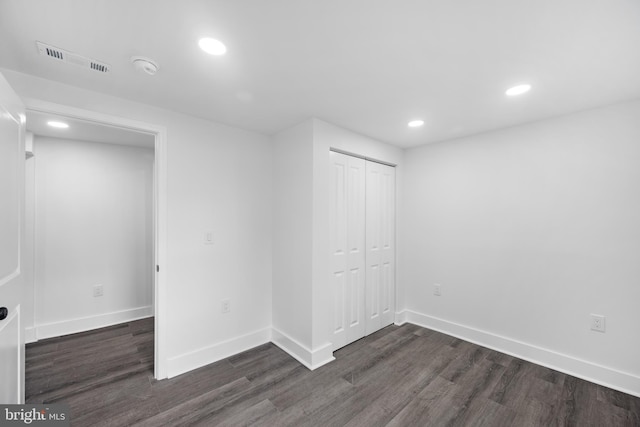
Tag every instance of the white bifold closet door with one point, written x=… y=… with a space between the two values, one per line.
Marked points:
x=381 y=248
x=362 y=234
x=348 y=250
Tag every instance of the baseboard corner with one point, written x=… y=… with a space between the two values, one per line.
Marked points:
x=311 y=359
x=400 y=318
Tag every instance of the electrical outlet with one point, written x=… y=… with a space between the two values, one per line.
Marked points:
x=437 y=290
x=597 y=323
x=98 y=291
x=226 y=306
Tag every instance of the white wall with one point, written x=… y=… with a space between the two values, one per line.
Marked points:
x=529 y=230
x=292 y=244
x=301 y=298
x=219 y=179
x=93 y=225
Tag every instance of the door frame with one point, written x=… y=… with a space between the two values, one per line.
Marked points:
x=160 y=208
x=10 y=281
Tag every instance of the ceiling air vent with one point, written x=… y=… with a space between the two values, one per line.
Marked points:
x=54 y=53
x=103 y=68
x=72 y=58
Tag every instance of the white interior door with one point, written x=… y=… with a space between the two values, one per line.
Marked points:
x=12 y=159
x=347 y=235
x=380 y=257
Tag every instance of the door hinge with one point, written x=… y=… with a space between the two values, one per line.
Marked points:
x=157 y=268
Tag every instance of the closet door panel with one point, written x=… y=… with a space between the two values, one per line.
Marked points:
x=380 y=241
x=348 y=252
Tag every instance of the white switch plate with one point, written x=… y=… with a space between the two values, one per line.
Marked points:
x=208 y=238
x=98 y=290
x=597 y=323
x=437 y=290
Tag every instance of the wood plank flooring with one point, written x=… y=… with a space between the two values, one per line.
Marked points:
x=399 y=376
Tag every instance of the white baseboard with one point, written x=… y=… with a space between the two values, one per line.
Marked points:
x=593 y=372
x=401 y=318
x=72 y=326
x=195 y=359
x=312 y=359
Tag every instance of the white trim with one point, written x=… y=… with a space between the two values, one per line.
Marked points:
x=22 y=369
x=16 y=273
x=401 y=318
x=321 y=356
x=363 y=157
x=160 y=298
x=18 y=371
x=91 y=116
x=160 y=209
x=195 y=359
x=81 y=324
x=589 y=371
x=312 y=359
x=30 y=335
x=12 y=110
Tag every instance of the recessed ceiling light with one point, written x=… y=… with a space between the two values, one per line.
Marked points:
x=59 y=125
x=518 y=90
x=415 y=123
x=212 y=46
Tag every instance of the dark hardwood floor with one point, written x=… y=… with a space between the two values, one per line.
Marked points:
x=399 y=376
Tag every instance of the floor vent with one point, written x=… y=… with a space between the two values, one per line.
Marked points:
x=72 y=58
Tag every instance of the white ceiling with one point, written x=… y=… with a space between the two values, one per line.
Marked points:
x=367 y=65
x=83 y=130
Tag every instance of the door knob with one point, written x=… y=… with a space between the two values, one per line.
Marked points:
x=4 y=312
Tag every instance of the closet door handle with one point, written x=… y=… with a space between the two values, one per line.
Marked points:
x=4 y=312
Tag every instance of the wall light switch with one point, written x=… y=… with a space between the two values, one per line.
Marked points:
x=437 y=290
x=98 y=290
x=208 y=238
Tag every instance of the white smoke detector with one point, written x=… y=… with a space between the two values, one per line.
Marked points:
x=145 y=65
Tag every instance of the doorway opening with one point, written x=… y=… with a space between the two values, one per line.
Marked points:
x=95 y=230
